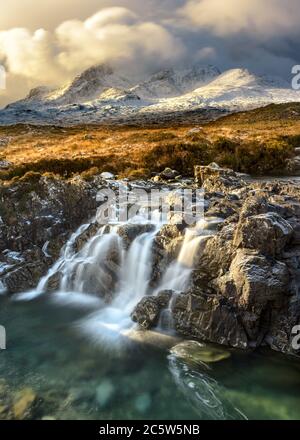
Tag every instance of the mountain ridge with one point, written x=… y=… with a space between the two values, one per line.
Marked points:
x=100 y=93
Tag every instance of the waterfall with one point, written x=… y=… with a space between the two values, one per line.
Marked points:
x=112 y=278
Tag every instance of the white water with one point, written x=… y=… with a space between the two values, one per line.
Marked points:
x=103 y=269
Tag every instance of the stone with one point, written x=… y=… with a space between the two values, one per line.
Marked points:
x=209 y=318
x=25 y=403
x=104 y=393
x=169 y=174
x=268 y=233
x=196 y=353
x=131 y=231
x=143 y=403
x=107 y=176
x=214 y=178
x=146 y=313
x=255 y=284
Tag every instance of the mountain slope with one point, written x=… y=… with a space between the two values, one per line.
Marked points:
x=100 y=95
x=171 y=83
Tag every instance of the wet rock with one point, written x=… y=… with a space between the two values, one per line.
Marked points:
x=255 y=284
x=195 y=352
x=38 y=214
x=164 y=297
x=24 y=277
x=268 y=233
x=25 y=404
x=146 y=313
x=83 y=238
x=130 y=232
x=104 y=393
x=166 y=247
x=143 y=403
x=209 y=318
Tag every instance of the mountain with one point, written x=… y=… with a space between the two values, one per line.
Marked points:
x=171 y=83
x=100 y=94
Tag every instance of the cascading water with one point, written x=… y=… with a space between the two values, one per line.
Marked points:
x=113 y=278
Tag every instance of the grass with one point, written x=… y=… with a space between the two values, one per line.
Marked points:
x=258 y=142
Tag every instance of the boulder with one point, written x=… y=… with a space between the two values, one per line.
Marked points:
x=146 y=313
x=267 y=233
x=214 y=178
x=25 y=404
x=197 y=353
x=130 y=231
x=255 y=285
x=209 y=318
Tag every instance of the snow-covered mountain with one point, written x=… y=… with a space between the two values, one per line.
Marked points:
x=100 y=94
x=170 y=83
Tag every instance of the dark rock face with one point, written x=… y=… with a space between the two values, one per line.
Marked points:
x=268 y=233
x=147 y=311
x=38 y=214
x=244 y=290
x=130 y=232
x=210 y=318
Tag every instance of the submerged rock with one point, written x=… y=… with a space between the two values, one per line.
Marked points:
x=196 y=353
x=25 y=404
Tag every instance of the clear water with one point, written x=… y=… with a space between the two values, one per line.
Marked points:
x=79 y=379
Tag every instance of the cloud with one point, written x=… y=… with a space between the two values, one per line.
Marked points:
x=262 y=35
x=256 y=17
x=115 y=35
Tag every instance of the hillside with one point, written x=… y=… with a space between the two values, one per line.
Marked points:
x=259 y=142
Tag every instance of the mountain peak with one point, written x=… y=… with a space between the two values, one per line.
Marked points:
x=174 y=82
x=89 y=85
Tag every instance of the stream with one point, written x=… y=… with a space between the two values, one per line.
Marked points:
x=81 y=356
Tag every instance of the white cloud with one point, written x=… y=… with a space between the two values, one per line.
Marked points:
x=260 y=18
x=115 y=35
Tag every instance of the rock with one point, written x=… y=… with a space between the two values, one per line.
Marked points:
x=107 y=176
x=214 y=178
x=166 y=247
x=143 y=403
x=25 y=404
x=130 y=232
x=104 y=393
x=209 y=318
x=24 y=277
x=146 y=313
x=4 y=164
x=215 y=258
x=255 y=284
x=164 y=297
x=39 y=211
x=196 y=353
x=169 y=174
x=268 y=233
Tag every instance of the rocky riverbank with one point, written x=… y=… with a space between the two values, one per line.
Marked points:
x=243 y=290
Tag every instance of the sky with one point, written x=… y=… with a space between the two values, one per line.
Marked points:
x=48 y=42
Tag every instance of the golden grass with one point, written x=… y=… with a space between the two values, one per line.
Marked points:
x=136 y=152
